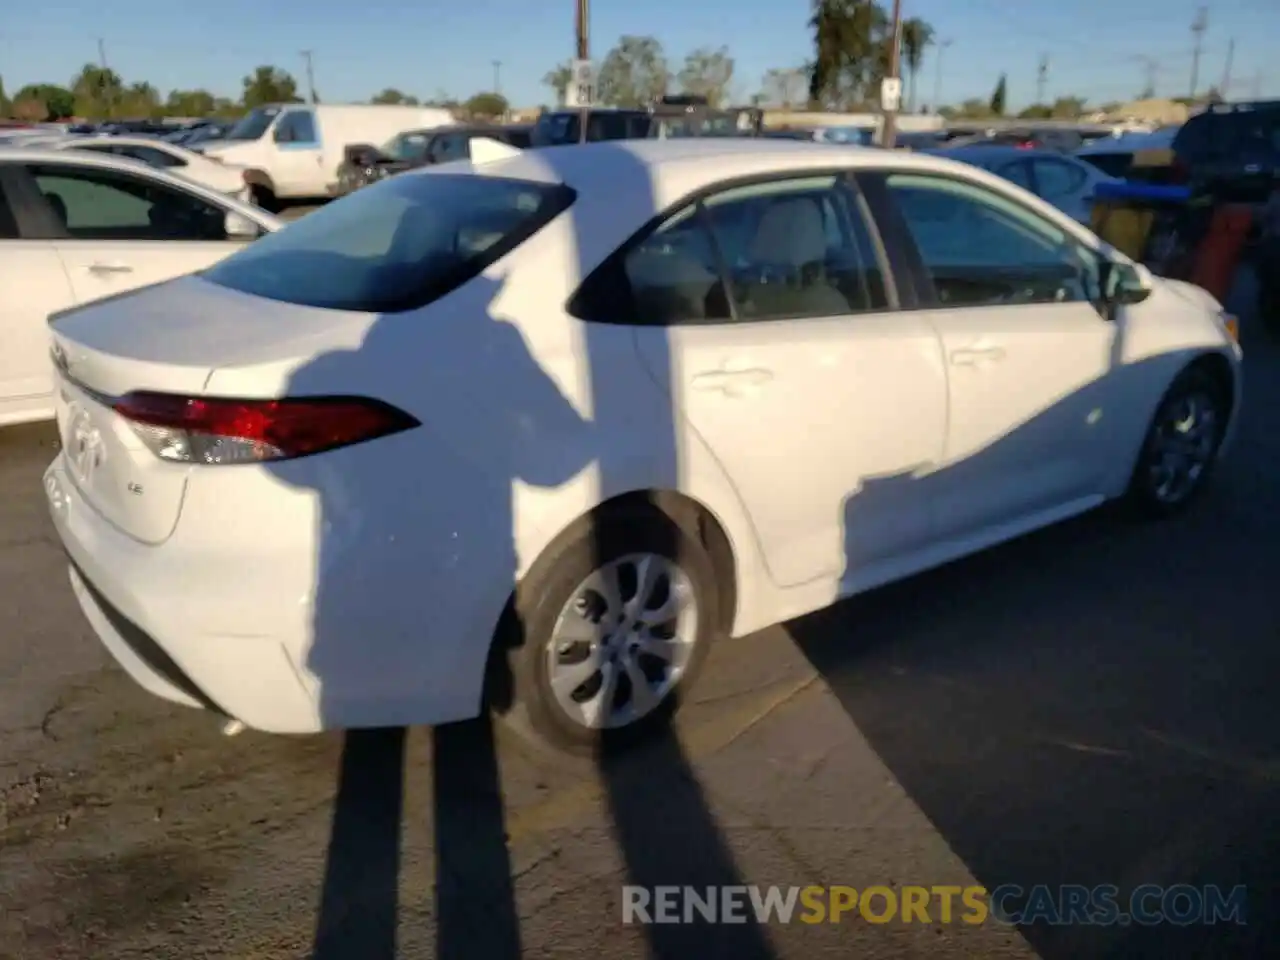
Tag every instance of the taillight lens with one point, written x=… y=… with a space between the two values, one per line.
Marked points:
x=220 y=430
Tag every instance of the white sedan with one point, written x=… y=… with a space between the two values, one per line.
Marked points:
x=528 y=434
x=170 y=157
x=76 y=227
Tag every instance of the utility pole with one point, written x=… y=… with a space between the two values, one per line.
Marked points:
x=889 y=123
x=107 y=89
x=582 y=16
x=311 y=75
x=1198 y=27
x=1150 y=68
x=497 y=77
x=937 y=74
x=1225 y=86
x=1042 y=78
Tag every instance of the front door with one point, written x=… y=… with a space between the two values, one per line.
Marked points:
x=118 y=231
x=763 y=309
x=297 y=166
x=1029 y=354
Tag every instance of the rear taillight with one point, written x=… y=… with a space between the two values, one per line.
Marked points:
x=1026 y=145
x=220 y=430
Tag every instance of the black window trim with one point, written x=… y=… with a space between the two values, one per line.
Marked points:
x=44 y=221
x=609 y=274
x=876 y=184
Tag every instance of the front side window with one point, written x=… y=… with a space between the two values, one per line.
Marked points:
x=395 y=245
x=771 y=251
x=407 y=146
x=980 y=248
x=296 y=126
x=107 y=205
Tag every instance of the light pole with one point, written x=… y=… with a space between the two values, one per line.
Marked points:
x=889 y=126
x=497 y=77
x=582 y=14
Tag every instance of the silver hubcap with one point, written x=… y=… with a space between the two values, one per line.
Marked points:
x=1182 y=446
x=623 y=641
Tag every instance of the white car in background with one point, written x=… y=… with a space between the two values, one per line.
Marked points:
x=530 y=433
x=77 y=226
x=223 y=177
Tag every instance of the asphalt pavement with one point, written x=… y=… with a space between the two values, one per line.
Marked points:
x=1094 y=704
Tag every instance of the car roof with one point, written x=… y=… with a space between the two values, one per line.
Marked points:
x=668 y=169
x=122 y=140
x=991 y=151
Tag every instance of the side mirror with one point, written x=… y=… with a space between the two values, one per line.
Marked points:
x=1124 y=284
x=240 y=227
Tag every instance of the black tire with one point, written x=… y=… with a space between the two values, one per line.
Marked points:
x=1144 y=494
x=527 y=703
x=264 y=198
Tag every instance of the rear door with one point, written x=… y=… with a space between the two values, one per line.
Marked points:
x=117 y=231
x=34 y=285
x=820 y=400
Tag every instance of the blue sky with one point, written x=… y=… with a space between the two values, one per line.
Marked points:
x=362 y=46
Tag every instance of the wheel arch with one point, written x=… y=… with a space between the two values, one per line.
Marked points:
x=692 y=515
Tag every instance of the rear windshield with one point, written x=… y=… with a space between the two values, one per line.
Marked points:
x=396 y=245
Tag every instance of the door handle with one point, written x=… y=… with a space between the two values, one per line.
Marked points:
x=732 y=383
x=102 y=269
x=976 y=356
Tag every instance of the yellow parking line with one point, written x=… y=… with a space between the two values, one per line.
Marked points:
x=566 y=806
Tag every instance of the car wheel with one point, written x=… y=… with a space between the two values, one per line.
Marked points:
x=1181 y=445
x=264 y=198
x=611 y=633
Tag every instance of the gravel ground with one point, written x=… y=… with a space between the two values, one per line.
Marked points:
x=1090 y=705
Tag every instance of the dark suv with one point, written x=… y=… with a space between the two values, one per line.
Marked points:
x=1231 y=150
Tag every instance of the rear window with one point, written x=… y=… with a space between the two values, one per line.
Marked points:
x=396 y=245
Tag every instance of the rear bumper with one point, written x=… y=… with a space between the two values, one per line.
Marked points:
x=224 y=620
x=127 y=592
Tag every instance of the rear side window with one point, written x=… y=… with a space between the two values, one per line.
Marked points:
x=396 y=245
x=782 y=250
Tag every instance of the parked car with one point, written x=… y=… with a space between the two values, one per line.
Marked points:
x=75 y=227
x=1231 y=150
x=1114 y=155
x=1067 y=183
x=293 y=151
x=415 y=456
x=365 y=164
x=163 y=155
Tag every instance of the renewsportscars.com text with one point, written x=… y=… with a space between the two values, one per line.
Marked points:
x=1064 y=905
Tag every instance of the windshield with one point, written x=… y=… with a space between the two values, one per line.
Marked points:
x=395 y=245
x=253 y=124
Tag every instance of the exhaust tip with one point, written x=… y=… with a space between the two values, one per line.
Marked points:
x=232 y=728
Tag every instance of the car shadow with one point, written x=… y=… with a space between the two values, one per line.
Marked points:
x=1088 y=705
x=535 y=432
